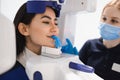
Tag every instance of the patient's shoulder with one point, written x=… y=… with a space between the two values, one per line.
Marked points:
x=16 y=73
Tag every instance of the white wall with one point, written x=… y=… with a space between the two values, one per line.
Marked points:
x=10 y=7
x=87 y=24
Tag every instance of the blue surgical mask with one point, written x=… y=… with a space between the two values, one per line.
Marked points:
x=109 y=32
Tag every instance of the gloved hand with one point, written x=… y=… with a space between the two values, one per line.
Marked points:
x=37 y=76
x=69 y=48
x=58 y=43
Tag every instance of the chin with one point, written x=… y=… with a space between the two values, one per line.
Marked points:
x=52 y=46
x=49 y=45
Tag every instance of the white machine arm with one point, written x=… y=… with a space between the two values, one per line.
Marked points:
x=67 y=21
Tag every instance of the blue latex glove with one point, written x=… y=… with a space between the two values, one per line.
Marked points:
x=57 y=41
x=69 y=48
x=37 y=76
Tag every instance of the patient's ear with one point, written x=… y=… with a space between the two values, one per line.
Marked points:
x=23 y=29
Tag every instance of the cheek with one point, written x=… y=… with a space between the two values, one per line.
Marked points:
x=40 y=37
x=38 y=33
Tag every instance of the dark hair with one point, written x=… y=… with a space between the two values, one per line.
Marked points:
x=23 y=17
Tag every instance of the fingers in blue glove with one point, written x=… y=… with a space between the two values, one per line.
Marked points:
x=69 y=43
x=57 y=41
x=37 y=76
x=69 y=48
x=75 y=51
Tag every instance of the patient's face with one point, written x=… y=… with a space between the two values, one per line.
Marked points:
x=42 y=27
x=111 y=15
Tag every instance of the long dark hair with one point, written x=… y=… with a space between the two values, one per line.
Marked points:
x=21 y=17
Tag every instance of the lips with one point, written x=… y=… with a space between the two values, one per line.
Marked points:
x=51 y=39
x=50 y=36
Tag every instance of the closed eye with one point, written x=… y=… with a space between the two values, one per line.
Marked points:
x=45 y=22
x=114 y=21
x=104 y=18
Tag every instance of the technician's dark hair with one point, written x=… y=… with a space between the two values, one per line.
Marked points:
x=22 y=17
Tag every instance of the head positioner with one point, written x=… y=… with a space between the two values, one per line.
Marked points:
x=39 y=6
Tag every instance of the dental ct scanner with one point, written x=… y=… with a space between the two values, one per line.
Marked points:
x=62 y=67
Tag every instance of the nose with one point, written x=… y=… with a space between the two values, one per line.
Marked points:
x=108 y=21
x=54 y=29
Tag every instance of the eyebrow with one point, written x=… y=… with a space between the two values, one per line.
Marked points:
x=116 y=18
x=112 y=17
x=48 y=17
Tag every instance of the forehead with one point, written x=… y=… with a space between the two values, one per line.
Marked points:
x=111 y=12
